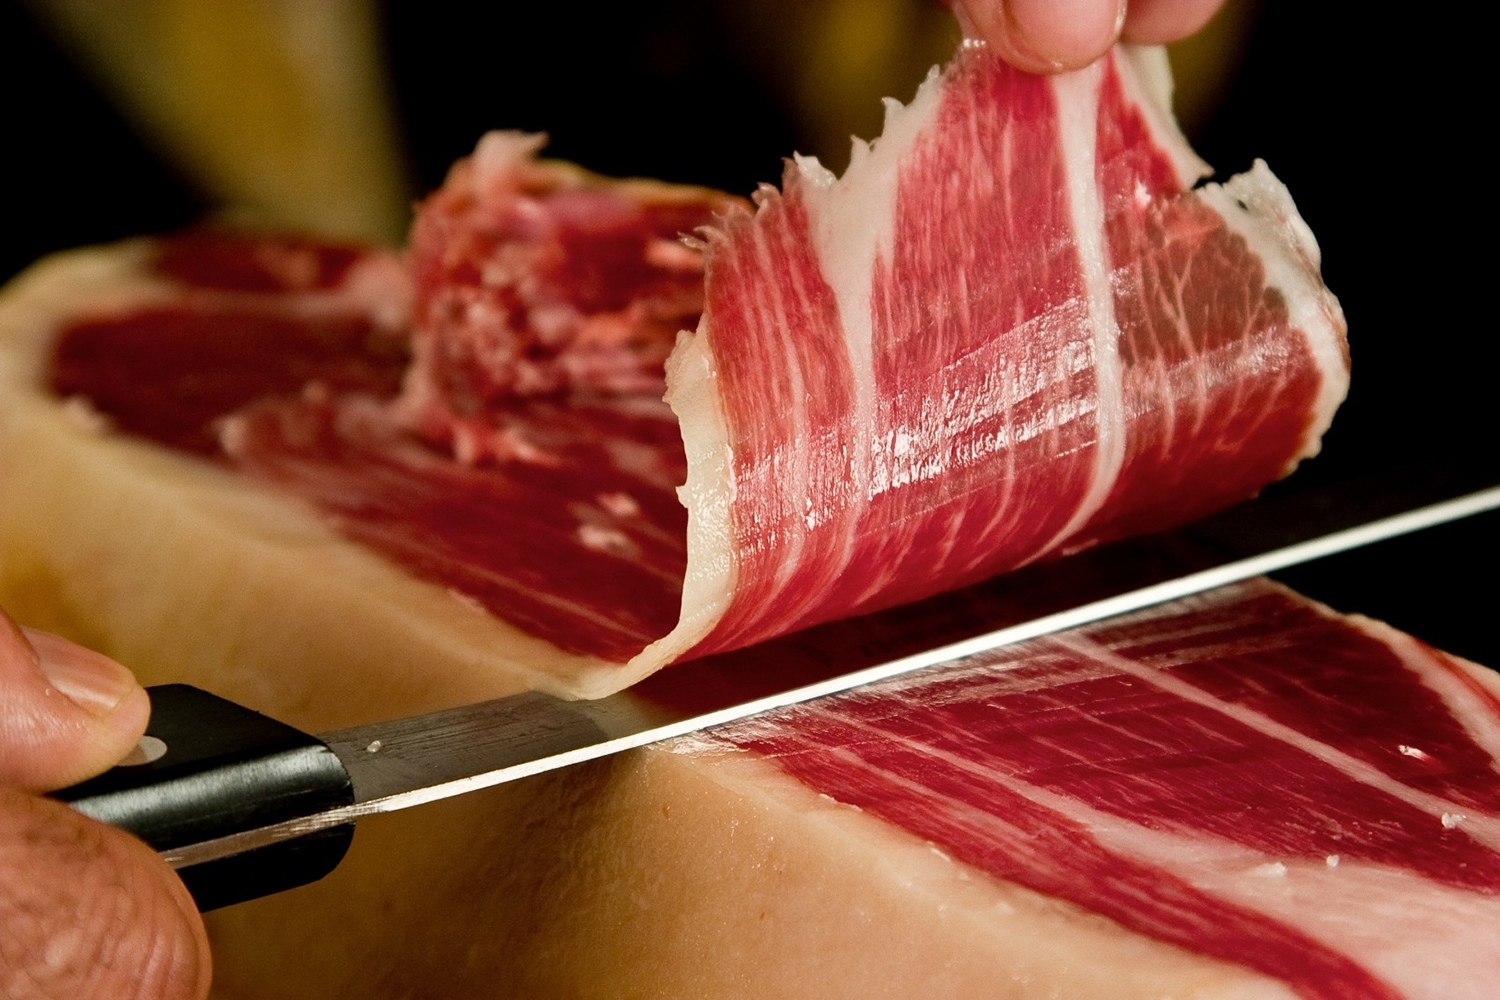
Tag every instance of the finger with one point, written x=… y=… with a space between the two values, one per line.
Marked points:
x=1156 y=22
x=1044 y=36
x=66 y=713
x=88 y=912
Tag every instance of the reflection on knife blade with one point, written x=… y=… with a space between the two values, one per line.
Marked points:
x=408 y=762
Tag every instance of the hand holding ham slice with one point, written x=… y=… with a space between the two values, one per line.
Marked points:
x=1044 y=36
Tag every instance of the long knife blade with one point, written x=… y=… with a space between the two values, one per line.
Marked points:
x=407 y=762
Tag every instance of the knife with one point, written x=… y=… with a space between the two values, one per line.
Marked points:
x=244 y=806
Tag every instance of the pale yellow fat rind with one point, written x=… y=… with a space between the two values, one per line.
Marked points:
x=669 y=875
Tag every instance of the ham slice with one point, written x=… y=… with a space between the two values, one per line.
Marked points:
x=1019 y=331
x=1011 y=329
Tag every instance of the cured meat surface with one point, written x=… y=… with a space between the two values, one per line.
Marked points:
x=1014 y=328
x=1245 y=774
x=1044 y=339
x=170 y=373
x=272 y=356
x=533 y=278
x=582 y=545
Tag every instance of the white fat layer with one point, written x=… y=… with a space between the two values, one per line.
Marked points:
x=1485 y=829
x=708 y=494
x=1146 y=76
x=1259 y=208
x=1452 y=678
x=1077 y=96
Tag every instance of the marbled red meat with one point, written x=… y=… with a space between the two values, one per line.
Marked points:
x=579 y=540
x=228 y=350
x=229 y=262
x=1245 y=774
x=1014 y=328
x=172 y=372
x=533 y=277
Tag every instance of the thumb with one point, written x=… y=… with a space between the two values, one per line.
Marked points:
x=90 y=913
x=1044 y=36
x=66 y=713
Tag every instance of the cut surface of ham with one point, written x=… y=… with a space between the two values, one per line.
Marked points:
x=1018 y=331
x=1238 y=796
x=1244 y=774
x=1014 y=328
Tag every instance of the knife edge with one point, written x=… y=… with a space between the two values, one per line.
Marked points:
x=408 y=762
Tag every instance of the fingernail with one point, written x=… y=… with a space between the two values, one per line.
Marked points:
x=91 y=680
x=1065 y=33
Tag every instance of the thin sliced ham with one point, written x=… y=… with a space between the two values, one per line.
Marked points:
x=1013 y=328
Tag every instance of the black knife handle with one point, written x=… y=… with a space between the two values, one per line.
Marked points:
x=225 y=770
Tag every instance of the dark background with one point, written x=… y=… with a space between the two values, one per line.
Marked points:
x=1376 y=125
